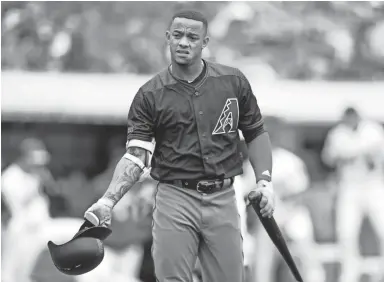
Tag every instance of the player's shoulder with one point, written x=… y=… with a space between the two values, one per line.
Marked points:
x=11 y=170
x=337 y=130
x=371 y=125
x=11 y=173
x=158 y=81
x=216 y=70
x=372 y=130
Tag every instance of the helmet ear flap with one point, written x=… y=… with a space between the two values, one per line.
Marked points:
x=83 y=253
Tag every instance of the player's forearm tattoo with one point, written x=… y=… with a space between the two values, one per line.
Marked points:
x=126 y=174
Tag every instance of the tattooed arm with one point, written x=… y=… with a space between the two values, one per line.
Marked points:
x=126 y=174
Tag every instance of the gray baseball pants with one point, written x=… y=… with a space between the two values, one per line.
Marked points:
x=187 y=225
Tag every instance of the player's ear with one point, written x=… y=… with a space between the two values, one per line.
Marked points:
x=168 y=36
x=205 y=41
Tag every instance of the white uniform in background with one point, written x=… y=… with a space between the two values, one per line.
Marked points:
x=358 y=157
x=243 y=185
x=289 y=177
x=29 y=214
x=31 y=227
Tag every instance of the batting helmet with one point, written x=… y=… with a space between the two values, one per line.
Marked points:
x=83 y=253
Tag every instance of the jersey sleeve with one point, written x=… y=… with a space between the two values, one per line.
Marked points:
x=141 y=118
x=251 y=122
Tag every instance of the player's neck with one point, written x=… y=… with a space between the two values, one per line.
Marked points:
x=187 y=72
x=23 y=166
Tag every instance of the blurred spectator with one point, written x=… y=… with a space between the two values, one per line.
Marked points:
x=134 y=210
x=67 y=51
x=5 y=216
x=243 y=185
x=23 y=185
x=355 y=149
x=310 y=40
x=376 y=40
x=290 y=181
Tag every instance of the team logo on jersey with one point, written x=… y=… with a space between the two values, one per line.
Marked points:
x=229 y=118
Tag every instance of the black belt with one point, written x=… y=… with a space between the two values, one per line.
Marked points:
x=204 y=186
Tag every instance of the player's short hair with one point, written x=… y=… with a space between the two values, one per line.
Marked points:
x=350 y=111
x=31 y=144
x=192 y=15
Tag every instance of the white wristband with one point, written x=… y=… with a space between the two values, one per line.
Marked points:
x=265 y=184
x=106 y=202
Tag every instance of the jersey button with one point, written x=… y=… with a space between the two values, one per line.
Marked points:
x=201 y=112
x=197 y=93
x=204 y=134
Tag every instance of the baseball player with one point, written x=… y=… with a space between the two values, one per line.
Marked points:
x=355 y=148
x=291 y=180
x=192 y=111
x=22 y=185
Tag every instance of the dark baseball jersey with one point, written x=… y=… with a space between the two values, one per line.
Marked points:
x=195 y=125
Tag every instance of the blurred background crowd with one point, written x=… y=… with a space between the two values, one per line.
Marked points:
x=70 y=70
x=295 y=40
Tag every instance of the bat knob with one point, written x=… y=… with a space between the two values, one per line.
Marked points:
x=253 y=196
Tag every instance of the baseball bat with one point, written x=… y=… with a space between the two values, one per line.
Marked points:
x=277 y=238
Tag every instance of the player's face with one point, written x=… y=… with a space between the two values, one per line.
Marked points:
x=37 y=158
x=186 y=39
x=351 y=120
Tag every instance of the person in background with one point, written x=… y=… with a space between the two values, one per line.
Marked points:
x=291 y=182
x=26 y=184
x=355 y=149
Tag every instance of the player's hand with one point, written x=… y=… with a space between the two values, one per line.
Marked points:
x=264 y=190
x=103 y=211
